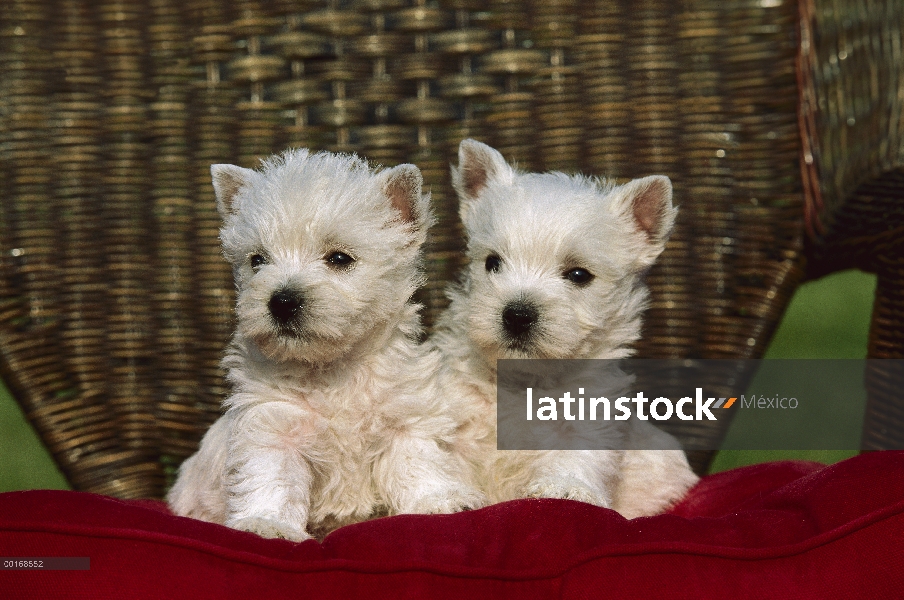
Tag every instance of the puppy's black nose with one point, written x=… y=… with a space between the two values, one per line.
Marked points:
x=519 y=317
x=284 y=305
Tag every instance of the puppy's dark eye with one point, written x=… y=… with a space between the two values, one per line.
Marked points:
x=257 y=260
x=493 y=263
x=578 y=276
x=339 y=259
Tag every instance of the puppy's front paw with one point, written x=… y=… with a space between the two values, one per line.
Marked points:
x=567 y=488
x=269 y=528
x=446 y=501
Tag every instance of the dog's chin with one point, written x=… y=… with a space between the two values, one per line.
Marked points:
x=507 y=349
x=531 y=348
x=515 y=349
x=294 y=346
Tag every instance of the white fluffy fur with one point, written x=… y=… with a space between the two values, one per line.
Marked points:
x=336 y=418
x=541 y=226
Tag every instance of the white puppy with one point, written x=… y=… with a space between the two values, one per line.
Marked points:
x=556 y=266
x=334 y=415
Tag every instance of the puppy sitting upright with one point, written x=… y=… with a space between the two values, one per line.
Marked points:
x=556 y=265
x=334 y=415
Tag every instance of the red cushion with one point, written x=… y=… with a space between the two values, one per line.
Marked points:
x=785 y=529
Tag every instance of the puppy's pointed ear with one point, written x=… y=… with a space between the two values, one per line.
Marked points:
x=647 y=204
x=403 y=187
x=478 y=165
x=227 y=181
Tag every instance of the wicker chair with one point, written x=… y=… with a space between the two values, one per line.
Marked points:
x=771 y=117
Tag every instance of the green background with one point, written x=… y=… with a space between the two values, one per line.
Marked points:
x=828 y=318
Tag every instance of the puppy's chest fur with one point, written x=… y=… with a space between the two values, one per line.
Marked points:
x=341 y=422
x=473 y=398
x=340 y=430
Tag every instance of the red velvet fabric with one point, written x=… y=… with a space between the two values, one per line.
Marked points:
x=776 y=530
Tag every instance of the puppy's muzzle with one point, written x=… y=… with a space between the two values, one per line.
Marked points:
x=284 y=306
x=518 y=318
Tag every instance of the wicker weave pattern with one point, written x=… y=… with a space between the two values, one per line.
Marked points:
x=854 y=53
x=115 y=303
x=854 y=105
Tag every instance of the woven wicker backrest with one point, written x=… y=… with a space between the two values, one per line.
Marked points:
x=115 y=303
x=853 y=117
